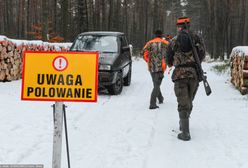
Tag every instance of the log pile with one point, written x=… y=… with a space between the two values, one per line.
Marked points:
x=10 y=62
x=11 y=57
x=239 y=69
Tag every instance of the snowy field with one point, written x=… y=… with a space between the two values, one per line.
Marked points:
x=121 y=132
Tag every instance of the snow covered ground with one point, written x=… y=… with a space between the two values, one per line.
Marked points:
x=121 y=132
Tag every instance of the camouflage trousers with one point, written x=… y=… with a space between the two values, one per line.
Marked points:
x=157 y=78
x=185 y=90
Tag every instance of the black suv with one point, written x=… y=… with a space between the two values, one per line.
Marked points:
x=115 y=63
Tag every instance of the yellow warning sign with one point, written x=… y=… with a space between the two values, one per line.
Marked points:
x=60 y=76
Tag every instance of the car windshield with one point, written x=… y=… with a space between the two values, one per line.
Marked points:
x=99 y=43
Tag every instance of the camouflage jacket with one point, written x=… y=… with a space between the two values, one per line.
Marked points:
x=180 y=55
x=154 y=53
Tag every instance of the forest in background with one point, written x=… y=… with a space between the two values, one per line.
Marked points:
x=222 y=23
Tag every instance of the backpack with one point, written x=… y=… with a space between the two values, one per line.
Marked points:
x=185 y=45
x=183 y=42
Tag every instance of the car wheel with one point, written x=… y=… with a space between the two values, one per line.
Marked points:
x=127 y=79
x=116 y=88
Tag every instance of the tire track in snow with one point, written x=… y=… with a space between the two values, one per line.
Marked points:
x=120 y=137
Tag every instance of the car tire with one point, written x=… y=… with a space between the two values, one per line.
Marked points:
x=127 y=79
x=117 y=87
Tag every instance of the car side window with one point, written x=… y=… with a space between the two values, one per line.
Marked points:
x=123 y=41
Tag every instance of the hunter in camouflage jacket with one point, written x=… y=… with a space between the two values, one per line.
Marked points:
x=154 y=53
x=181 y=56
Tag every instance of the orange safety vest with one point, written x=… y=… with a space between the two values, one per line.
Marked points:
x=146 y=53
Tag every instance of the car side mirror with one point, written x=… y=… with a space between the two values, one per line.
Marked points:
x=131 y=49
x=125 y=48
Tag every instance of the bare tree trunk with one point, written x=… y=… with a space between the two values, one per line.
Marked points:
x=45 y=20
x=245 y=33
x=64 y=12
x=82 y=16
x=146 y=19
x=1 y=17
x=110 y=21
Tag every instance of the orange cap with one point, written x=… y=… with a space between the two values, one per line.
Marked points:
x=183 y=20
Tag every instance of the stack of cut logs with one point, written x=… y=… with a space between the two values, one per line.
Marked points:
x=239 y=69
x=11 y=58
x=10 y=61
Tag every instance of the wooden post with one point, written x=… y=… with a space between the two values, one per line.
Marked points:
x=57 y=135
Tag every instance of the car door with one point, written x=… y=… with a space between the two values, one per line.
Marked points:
x=125 y=55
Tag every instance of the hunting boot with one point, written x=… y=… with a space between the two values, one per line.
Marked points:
x=185 y=135
x=180 y=125
x=180 y=122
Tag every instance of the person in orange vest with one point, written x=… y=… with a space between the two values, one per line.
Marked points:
x=154 y=53
x=168 y=37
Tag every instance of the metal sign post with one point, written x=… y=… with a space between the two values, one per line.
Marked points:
x=57 y=135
